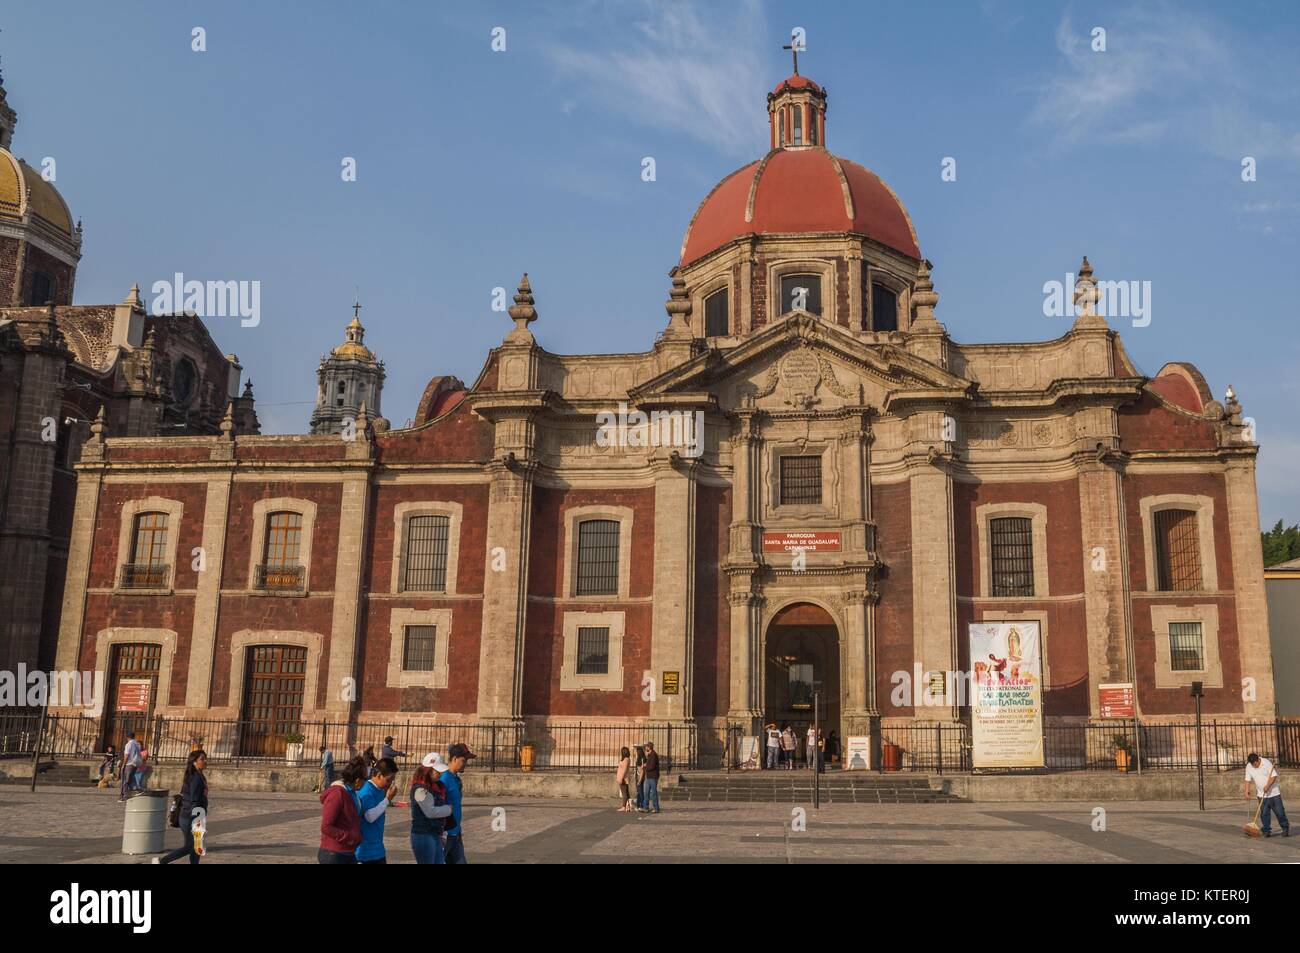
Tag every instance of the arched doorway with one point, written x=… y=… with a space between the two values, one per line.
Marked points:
x=802 y=659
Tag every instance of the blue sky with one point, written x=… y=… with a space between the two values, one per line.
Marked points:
x=475 y=165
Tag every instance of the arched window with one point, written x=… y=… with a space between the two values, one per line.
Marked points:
x=812 y=127
x=282 y=566
x=715 y=314
x=884 y=308
x=801 y=292
x=42 y=292
x=798 y=125
x=185 y=378
x=597 y=558
x=780 y=122
x=147 y=568
x=1178 y=550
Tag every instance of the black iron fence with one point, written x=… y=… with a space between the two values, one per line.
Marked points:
x=573 y=747
x=1119 y=746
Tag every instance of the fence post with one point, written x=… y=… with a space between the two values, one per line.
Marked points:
x=157 y=736
x=580 y=747
x=493 y=764
x=670 y=746
x=40 y=735
x=939 y=733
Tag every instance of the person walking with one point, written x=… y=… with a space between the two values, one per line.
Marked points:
x=373 y=800
x=388 y=751
x=640 y=777
x=620 y=779
x=788 y=746
x=458 y=757
x=340 y=819
x=326 y=767
x=429 y=810
x=130 y=761
x=811 y=752
x=773 y=745
x=193 y=815
x=1261 y=771
x=651 y=779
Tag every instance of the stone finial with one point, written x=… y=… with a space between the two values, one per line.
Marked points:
x=248 y=389
x=97 y=428
x=1085 y=298
x=363 y=418
x=678 y=307
x=924 y=298
x=1232 y=405
x=133 y=298
x=523 y=312
x=228 y=422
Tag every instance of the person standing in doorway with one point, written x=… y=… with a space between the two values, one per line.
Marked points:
x=810 y=755
x=651 y=779
x=130 y=762
x=458 y=757
x=194 y=808
x=773 y=745
x=1261 y=771
x=788 y=744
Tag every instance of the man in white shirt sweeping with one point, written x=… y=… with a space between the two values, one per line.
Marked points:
x=1261 y=771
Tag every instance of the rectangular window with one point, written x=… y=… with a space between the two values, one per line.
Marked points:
x=715 y=314
x=283 y=539
x=884 y=308
x=426 y=554
x=417 y=649
x=801 y=292
x=801 y=480
x=593 y=650
x=1012 y=558
x=1178 y=550
x=597 y=558
x=1186 y=647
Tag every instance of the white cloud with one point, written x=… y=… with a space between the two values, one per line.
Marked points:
x=1168 y=74
x=695 y=71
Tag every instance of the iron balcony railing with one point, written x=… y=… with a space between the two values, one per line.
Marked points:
x=145 y=575
x=280 y=578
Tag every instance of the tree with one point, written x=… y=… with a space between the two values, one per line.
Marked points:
x=1281 y=544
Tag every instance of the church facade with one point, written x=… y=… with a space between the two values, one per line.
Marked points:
x=805 y=484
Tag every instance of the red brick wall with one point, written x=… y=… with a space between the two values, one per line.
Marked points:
x=544 y=643
x=108 y=521
x=106 y=610
x=244 y=496
x=892 y=506
x=1148 y=425
x=1154 y=701
x=758 y=292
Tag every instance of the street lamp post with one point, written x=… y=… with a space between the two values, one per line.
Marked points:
x=1197 y=691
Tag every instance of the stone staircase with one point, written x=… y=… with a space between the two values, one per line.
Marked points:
x=69 y=774
x=796 y=787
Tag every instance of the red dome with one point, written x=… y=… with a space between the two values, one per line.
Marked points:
x=796 y=82
x=799 y=190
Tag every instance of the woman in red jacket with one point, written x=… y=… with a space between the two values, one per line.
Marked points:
x=340 y=818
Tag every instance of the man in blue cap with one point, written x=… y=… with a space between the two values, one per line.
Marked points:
x=458 y=756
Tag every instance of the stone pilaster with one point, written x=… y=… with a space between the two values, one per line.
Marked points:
x=505 y=592
x=89 y=480
x=207 y=597
x=746 y=707
x=1101 y=508
x=354 y=510
x=672 y=640
x=1248 y=583
x=934 y=606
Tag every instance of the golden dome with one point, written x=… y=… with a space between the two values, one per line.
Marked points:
x=352 y=348
x=22 y=188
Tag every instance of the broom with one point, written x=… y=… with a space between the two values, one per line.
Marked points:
x=1252 y=826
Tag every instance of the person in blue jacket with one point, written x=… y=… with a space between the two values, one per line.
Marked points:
x=373 y=800
x=458 y=756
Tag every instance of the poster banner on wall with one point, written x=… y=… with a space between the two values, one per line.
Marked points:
x=1006 y=695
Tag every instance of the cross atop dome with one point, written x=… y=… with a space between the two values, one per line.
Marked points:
x=796 y=112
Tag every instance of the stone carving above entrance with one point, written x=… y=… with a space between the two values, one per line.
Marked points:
x=801 y=375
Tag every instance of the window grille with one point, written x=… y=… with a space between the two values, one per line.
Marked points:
x=1186 y=647
x=1178 y=550
x=417 y=650
x=597 y=558
x=1012 y=555
x=593 y=650
x=426 y=553
x=801 y=480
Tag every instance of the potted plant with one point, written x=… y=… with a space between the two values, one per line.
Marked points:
x=1123 y=752
x=293 y=746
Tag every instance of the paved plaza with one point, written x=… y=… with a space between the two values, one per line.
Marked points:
x=69 y=825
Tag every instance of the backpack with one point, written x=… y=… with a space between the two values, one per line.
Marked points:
x=174 y=812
